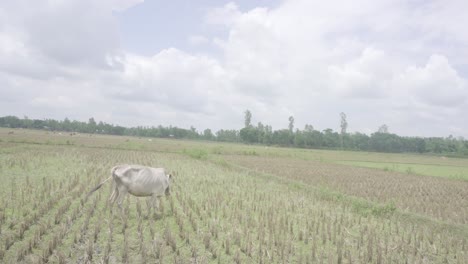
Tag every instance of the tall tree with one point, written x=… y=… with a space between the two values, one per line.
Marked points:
x=344 y=123
x=344 y=126
x=291 y=123
x=383 y=129
x=247 y=118
x=92 y=125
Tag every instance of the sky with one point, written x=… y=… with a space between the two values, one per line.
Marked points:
x=203 y=63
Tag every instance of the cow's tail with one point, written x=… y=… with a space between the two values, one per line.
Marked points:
x=99 y=186
x=102 y=183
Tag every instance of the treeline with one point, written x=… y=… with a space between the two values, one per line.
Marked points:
x=380 y=141
x=94 y=127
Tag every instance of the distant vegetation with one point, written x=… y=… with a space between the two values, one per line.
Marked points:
x=380 y=141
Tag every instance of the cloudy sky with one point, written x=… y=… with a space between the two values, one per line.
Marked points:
x=204 y=62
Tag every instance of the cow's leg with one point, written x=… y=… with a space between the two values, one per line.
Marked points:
x=149 y=206
x=113 y=198
x=121 y=192
x=120 y=197
x=114 y=192
x=114 y=195
x=155 y=201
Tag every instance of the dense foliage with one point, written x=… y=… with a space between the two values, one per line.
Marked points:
x=381 y=141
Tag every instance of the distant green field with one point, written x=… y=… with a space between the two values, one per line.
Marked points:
x=446 y=171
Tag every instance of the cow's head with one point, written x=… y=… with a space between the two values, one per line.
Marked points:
x=170 y=176
x=168 y=189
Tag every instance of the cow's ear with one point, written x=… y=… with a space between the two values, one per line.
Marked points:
x=170 y=176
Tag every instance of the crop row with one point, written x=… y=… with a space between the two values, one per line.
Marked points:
x=438 y=198
x=216 y=214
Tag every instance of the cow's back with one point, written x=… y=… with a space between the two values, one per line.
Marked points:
x=141 y=180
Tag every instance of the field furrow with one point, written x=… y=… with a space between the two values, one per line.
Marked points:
x=243 y=209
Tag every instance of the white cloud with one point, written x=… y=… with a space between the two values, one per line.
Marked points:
x=394 y=62
x=198 y=40
x=225 y=15
x=58 y=34
x=436 y=84
x=174 y=78
x=121 y=5
x=365 y=77
x=308 y=55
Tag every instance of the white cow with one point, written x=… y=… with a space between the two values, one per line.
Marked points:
x=139 y=181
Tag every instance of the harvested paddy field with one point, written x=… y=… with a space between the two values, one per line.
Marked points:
x=436 y=197
x=229 y=204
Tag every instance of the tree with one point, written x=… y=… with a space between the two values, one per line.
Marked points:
x=27 y=123
x=207 y=134
x=101 y=127
x=249 y=134
x=344 y=123
x=66 y=124
x=12 y=122
x=359 y=141
x=291 y=123
x=282 y=137
x=311 y=137
x=192 y=133
x=331 y=139
x=344 y=126
x=261 y=132
x=381 y=140
x=383 y=129
x=385 y=142
x=247 y=118
x=308 y=128
x=227 y=135
x=300 y=139
x=92 y=125
x=268 y=137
